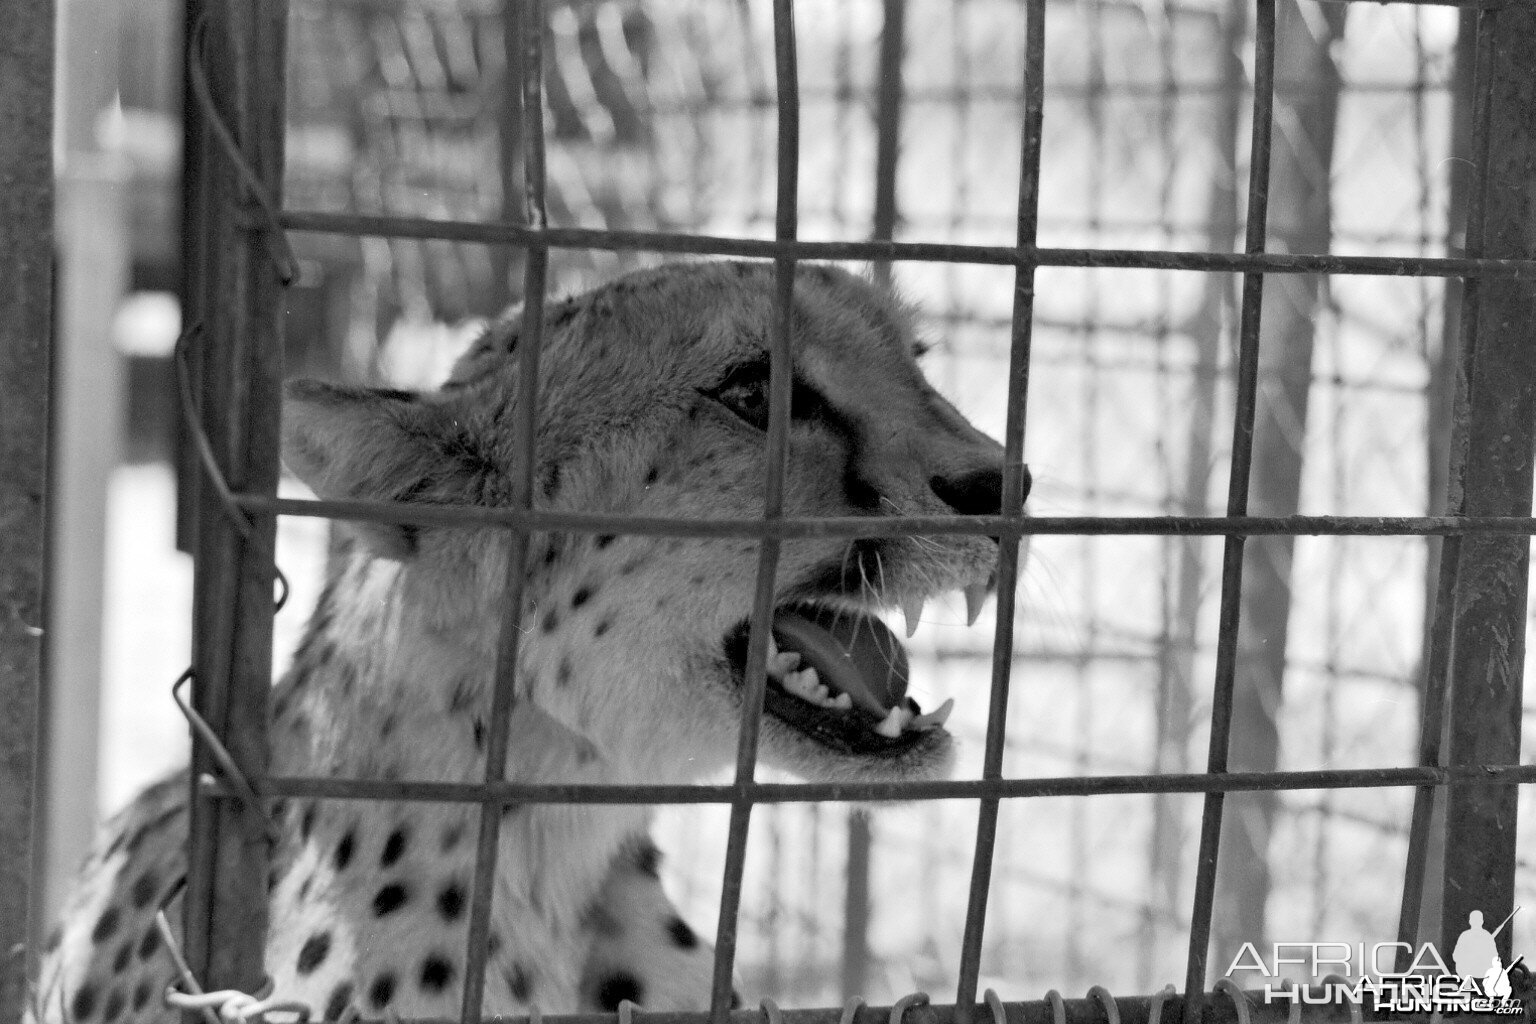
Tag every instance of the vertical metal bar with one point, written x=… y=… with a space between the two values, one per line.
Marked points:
x=505 y=258
x=1498 y=431
x=226 y=904
x=888 y=104
x=1300 y=181
x=1013 y=502
x=26 y=310
x=529 y=29
x=1246 y=404
x=1425 y=855
x=1175 y=709
x=786 y=227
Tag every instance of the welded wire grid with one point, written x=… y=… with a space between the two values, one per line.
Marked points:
x=1015 y=266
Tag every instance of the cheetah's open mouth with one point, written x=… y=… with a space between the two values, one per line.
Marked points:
x=839 y=676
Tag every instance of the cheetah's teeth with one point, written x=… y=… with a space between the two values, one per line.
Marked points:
x=975 y=597
x=843 y=702
x=894 y=723
x=935 y=718
x=912 y=611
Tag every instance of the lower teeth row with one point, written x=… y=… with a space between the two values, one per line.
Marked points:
x=805 y=684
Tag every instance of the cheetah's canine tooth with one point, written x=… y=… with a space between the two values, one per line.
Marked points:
x=975 y=597
x=912 y=611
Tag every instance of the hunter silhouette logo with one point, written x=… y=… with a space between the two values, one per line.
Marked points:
x=1477 y=958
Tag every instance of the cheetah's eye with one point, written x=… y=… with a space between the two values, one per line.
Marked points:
x=744 y=391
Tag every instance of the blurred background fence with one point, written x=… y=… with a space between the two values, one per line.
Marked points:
x=661 y=116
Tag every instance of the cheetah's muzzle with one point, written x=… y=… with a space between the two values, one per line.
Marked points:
x=838 y=676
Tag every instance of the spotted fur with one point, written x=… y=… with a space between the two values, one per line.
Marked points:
x=651 y=403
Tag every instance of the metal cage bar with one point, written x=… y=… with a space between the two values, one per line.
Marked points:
x=530 y=35
x=235 y=295
x=1021 y=335
x=780 y=355
x=26 y=322
x=1495 y=427
x=1237 y=498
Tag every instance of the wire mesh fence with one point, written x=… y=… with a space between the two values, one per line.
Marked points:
x=664 y=125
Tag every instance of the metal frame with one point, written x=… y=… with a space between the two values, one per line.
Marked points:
x=26 y=328
x=241 y=258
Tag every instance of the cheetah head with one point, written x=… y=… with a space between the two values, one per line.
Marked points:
x=654 y=402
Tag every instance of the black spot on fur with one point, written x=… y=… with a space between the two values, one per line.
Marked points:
x=387 y=727
x=563 y=675
x=124 y=954
x=344 y=849
x=106 y=924
x=564 y=314
x=84 y=1002
x=450 y=902
x=549 y=480
x=648 y=860
x=551 y=621
x=519 y=982
x=630 y=566
x=307 y=822
x=394 y=847
x=651 y=475
x=617 y=988
x=682 y=935
x=313 y=953
x=462 y=697
x=581 y=597
x=551 y=554
x=335 y=1006
x=604 y=539
x=493 y=943
x=477 y=728
x=141 y=993
x=113 y=1008
x=436 y=973
x=382 y=990
x=150 y=943
x=453 y=835
x=735 y=1000
x=304 y=888
x=601 y=628
x=54 y=938
x=390 y=899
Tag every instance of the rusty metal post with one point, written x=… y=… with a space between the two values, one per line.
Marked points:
x=26 y=310
x=1494 y=445
x=236 y=295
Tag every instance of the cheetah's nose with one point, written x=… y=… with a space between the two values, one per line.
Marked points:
x=976 y=493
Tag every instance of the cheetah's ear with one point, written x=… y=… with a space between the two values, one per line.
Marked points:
x=360 y=444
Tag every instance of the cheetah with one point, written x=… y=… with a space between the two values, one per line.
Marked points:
x=631 y=669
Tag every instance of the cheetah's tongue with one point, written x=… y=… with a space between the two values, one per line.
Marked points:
x=851 y=653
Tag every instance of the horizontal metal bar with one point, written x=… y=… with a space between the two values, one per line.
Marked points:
x=463 y=517
x=859 y=792
x=317 y=221
x=1219 y=1009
